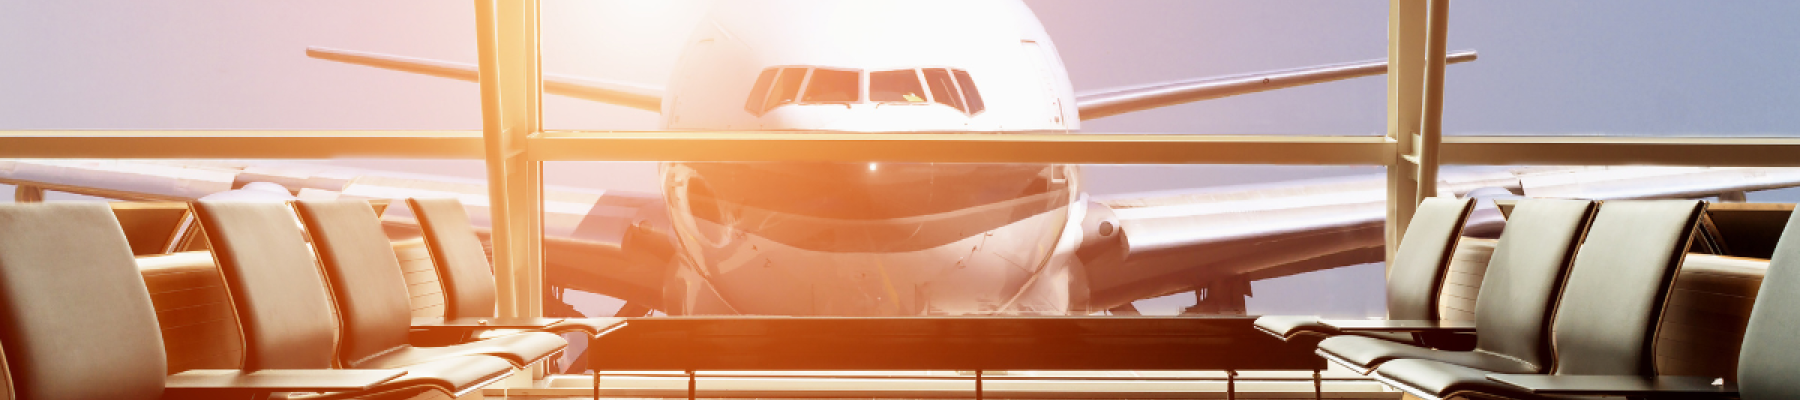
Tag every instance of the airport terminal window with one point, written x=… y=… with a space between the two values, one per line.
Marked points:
x=897 y=86
x=970 y=94
x=833 y=86
x=943 y=89
x=760 y=92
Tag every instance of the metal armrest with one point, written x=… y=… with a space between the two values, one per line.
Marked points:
x=1617 y=385
x=1377 y=325
x=470 y=324
x=207 y=383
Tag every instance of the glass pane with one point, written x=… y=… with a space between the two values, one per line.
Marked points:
x=895 y=86
x=786 y=87
x=943 y=89
x=914 y=239
x=1606 y=68
x=834 y=86
x=970 y=93
x=760 y=91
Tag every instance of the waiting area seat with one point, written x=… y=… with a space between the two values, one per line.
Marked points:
x=1607 y=315
x=1414 y=279
x=370 y=294
x=464 y=270
x=77 y=322
x=1512 y=310
x=285 y=307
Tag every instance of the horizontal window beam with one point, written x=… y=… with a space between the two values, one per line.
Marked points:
x=1588 y=150
x=902 y=147
x=241 y=144
x=959 y=147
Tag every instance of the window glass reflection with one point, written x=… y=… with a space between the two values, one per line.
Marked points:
x=898 y=86
x=833 y=86
x=787 y=87
x=760 y=92
x=943 y=89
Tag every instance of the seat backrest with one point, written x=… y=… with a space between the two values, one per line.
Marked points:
x=364 y=276
x=456 y=251
x=1424 y=254
x=1770 y=358
x=75 y=317
x=280 y=300
x=1525 y=277
x=1615 y=291
x=5 y=376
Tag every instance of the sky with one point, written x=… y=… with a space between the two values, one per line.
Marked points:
x=1614 y=67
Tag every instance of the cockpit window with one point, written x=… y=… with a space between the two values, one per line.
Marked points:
x=943 y=89
x=787 y=87
x=833 y=86
x=898 y=86
x=779 y=86
x=970 y=95
x=760 y=92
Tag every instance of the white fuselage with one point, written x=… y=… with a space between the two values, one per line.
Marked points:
x=868 y=238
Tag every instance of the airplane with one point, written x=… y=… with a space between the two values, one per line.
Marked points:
x=868 y=239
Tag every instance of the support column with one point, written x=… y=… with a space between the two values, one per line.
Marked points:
x=1405 y=78
x=1431 y=132
x=511 y=95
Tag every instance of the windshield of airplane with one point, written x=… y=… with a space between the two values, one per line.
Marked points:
x=787 y=86
x=778 y=86
x=970 y=95
x=943 y=89
x=759 y=93
x=901 y=86
x=833 y=86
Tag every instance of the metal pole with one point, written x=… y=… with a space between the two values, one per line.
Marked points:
x=1230 y=385
x=979 y=393
x=1406 y=45
x=1432 y=129
x=511 y=94
x=1318 y=386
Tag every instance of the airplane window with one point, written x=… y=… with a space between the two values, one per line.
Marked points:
x=786 y=87
x=972 y=96
x=900 y=86
x=760 y=92
x=943 y=89
x=833 y=86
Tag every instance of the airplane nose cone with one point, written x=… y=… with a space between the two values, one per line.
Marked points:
x=866 y=238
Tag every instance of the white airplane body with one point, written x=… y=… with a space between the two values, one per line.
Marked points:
x=900 y=238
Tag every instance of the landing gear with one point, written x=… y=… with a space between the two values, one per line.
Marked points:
x=1220 y=297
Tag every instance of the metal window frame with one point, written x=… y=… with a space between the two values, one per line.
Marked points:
x=514 y=145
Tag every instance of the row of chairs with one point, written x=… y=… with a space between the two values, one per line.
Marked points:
x=329 y=320
x=1570 y=305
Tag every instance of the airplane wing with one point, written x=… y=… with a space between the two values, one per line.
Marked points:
x=641 y=97
x=1166 y=243
x=1112 y=102
x=614 y=243
x=1135 y=246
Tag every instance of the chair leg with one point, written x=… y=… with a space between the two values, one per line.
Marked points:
x=1318 y=386
x=690 y=384
x=978 y=389
x=596 y=375
x=1230 y=384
